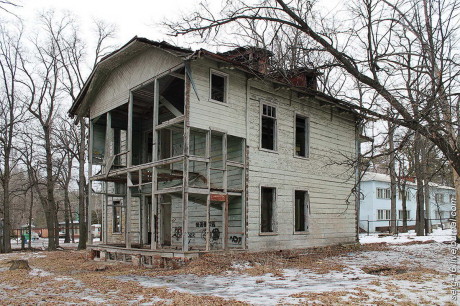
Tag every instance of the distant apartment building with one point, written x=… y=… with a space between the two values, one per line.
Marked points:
x=374 y=212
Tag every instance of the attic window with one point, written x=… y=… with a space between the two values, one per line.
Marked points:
x=218 y=86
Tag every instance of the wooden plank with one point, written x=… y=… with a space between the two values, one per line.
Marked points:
x=170 y=122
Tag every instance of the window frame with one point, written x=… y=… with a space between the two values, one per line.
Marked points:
x=307 y=212
x=387 y=214
x=400 y=214
x=307 y=135
x=385 y=190
x=114 y=207
x=274 y=231
x=437 y=196
x=226 y=85
x=275 y=133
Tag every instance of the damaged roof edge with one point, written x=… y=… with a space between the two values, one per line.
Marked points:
x=163 y=45
x=188 y=54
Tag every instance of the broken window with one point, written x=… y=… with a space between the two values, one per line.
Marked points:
x=218 y=87
x=301 y=211
x=268 y=130
x=266 y=209
x=117 y=217
x=301 y=136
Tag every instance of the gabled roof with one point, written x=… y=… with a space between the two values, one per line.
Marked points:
x=138 y=44
x=109 y=62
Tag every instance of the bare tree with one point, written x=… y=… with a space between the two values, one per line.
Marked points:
x=12 y=104
x=381 y=29
x=72 y=52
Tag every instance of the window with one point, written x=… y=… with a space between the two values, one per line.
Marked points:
x=439 y=198
x=266 y=209
x=400 y=195
x=218 y=87
x=301 y=203
x=301 y=136
x=401 y=214
x=383 y=193
x=383 y=214
x=117 y=217
x=268 y=129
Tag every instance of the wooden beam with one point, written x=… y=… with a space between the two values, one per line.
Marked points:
x=170 y=107
x=225 y=182
x=170 y=122
x=185 y=180
x=155 y=212
x=128 y=175
x=208 y=183
x=90 y=187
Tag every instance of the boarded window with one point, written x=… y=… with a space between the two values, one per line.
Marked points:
x=383 y=193
x=218 y=87
x=301 y=136
x=383 y=214
x=301 y=211
x=117 y=217
x=266 y=209
x=268 y=130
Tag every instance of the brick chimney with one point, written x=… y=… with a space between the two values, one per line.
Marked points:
x=257 y=59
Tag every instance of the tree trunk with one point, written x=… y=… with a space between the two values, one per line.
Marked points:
x=30 y=216
x=66 y=214
x=420 y=216
x=6 y=203
x=393 y=225
x=404 y=207
x=51 y=211
x=81 y=188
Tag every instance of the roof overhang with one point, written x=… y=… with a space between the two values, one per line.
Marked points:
x=107 y=64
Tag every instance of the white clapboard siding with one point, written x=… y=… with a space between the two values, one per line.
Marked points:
x=205 y=114
x=141 y=68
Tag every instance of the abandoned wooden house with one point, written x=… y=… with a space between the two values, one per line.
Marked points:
x=195 y=151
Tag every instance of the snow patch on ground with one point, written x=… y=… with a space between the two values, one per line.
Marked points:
x=438 y=235
x=39 y=273
x=272 y=289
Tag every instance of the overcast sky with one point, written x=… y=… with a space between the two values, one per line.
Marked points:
x=134 y=17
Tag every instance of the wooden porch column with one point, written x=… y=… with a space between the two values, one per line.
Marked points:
x=90 y=173
x=154 y=229
x=108 y=153
x=129 y=162
x=208 y=183
x=224 y=179
x=185 y=246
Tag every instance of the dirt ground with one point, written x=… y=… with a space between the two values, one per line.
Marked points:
x=379 y=274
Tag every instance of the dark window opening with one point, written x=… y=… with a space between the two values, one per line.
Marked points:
x=301 y=210
x=267 y=205
x=301 y=136
x=268 y=129
x=117 y=217
x=218 y=87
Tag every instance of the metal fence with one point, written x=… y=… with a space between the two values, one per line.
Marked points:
x=384 y=226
